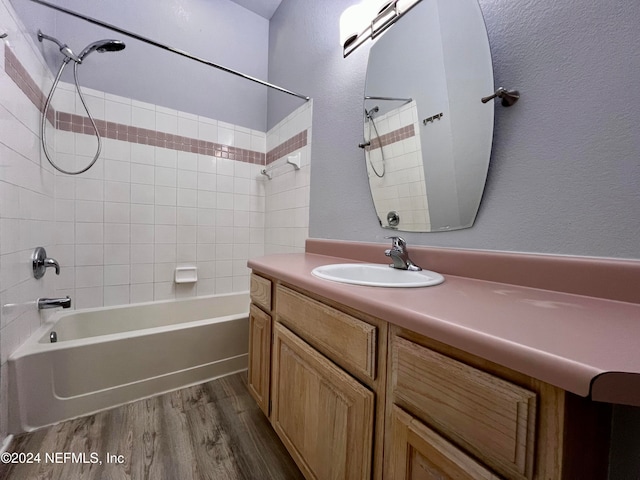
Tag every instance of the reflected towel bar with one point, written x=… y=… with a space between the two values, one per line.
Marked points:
x=392 y=99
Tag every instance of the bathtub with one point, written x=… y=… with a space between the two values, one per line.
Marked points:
x=109 y=356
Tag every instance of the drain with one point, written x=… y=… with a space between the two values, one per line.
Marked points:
x=53 y=337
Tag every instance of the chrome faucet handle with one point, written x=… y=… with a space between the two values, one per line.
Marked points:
x=40 y=263
x=398 y=253
x=50 y=262
x=398 y=243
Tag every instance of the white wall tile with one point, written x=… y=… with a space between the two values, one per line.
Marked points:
x=142 y=213
x=117 y=212
x=116 y=275
x=143 y=117
x=187 y=161
x=89 y=233
x=117 y=233
x=116 y=295
x=117 y=192
x=88 y=211
x=143 y=194
x=141 y=293
x=144 y=154
x=165 y=195
x=142 y=273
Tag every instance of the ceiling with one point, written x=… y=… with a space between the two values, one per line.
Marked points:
x=264 y=8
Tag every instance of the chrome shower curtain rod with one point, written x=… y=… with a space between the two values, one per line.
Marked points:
x=166 y=47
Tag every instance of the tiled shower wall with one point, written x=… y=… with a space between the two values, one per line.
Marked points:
x=287 y=193
x=143 y=210
x=26 y=196
x=402 y=188
x=188 y=193
x=169 y=189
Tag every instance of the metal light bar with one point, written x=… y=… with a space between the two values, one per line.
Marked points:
x=168 y=48
x=387 y=17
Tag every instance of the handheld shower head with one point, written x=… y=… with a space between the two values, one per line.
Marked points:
x=102 y=46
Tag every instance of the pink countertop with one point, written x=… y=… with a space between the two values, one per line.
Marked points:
x=583 y=344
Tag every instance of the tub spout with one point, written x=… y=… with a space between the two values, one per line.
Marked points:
x=44 y=303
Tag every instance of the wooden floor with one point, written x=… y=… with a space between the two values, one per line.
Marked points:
x=210 y=431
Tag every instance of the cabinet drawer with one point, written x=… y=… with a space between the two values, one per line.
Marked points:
x=346 y=340
x=260 y=291
x=417 y=452
x=487 y=416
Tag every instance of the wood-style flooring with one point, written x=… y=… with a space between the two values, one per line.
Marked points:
x=210 y=431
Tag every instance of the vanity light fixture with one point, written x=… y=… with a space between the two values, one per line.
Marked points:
x=368 y=19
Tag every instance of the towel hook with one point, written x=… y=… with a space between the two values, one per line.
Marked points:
x=509 y=97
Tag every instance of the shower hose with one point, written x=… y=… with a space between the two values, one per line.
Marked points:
x=369 y=115
x=84 y=104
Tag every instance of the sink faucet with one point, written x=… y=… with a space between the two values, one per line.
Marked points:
x=398 y=253
x=44 y=303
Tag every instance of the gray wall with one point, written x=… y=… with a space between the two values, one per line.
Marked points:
x=565 y=168
x=216 y=30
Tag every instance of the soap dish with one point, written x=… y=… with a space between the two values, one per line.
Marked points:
x=186 y=275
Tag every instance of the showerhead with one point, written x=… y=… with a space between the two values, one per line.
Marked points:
x=102 y=46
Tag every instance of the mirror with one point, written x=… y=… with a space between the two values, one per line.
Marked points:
x=427 y=135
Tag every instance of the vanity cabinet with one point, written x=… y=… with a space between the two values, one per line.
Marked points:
x=356 y=397
x=259 y=373
x=454 y=415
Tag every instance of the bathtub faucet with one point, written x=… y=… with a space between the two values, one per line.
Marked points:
x=44 y=303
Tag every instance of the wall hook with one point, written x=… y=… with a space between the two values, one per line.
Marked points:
x=509 y=97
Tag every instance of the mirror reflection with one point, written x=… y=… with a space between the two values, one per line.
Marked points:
x=427 y=135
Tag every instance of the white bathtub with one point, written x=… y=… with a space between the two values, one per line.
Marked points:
x=109 y=356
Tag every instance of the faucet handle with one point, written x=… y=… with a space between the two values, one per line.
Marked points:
x=40 y=262
x=50 y=262
x=398 y=243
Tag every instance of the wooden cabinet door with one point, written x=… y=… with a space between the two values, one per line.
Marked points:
x=322 y=414
x=259 y=357
x=415 y=452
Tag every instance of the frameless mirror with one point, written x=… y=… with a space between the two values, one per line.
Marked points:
x=427 y=134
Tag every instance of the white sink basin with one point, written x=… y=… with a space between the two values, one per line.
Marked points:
x=377 y=275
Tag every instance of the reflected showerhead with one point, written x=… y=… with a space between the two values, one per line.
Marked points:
x=102 y=46
x=369 y=113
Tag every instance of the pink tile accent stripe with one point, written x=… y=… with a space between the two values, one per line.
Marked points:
x=16 y=71
x=80 y=124
x=392 y=137
x=127 y=133
x=294 y=143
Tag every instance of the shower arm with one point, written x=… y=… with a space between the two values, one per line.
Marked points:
x=168 y=48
